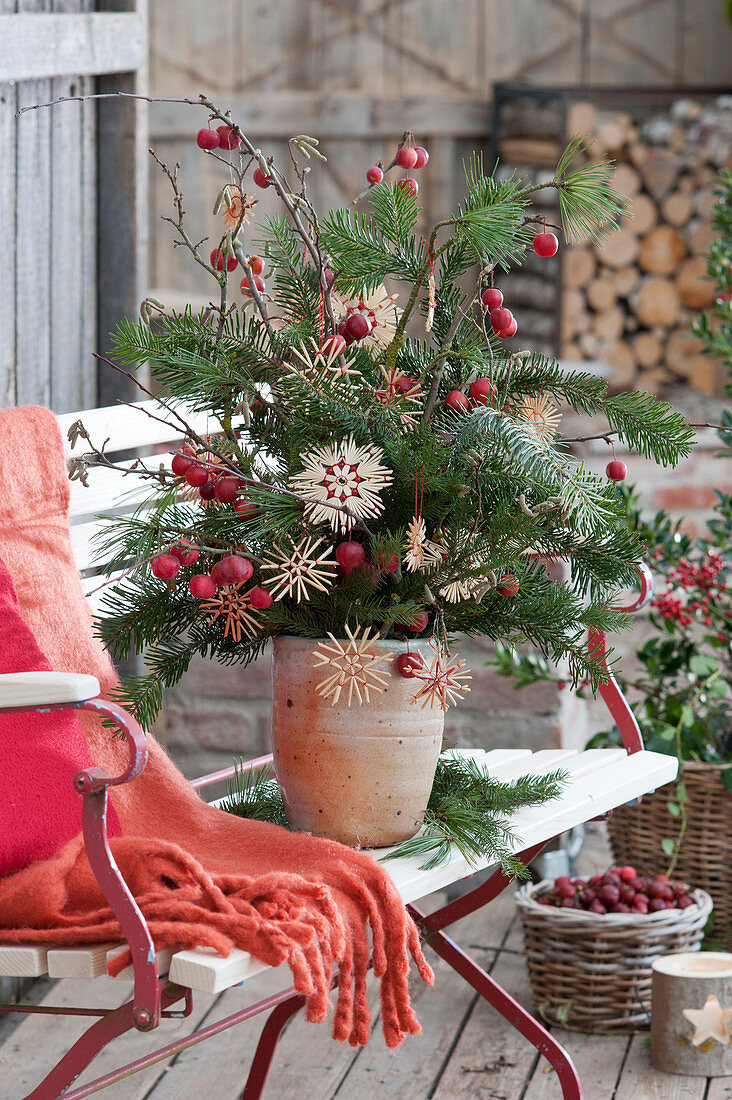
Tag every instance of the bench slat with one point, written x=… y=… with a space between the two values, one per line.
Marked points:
x=22 y=962
x=127 y=427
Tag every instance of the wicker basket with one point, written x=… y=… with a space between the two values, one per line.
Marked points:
x=636 y=833
x=592 y=971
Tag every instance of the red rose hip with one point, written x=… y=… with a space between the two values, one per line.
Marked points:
x=409 y=184
x=492 y=298
x=202 y=586
x=406 y=156
x=260 y=179
x=196 y=476
x=501 y=318
x=165 y=566
x=546 y=244
x=256 y=265
x=232 y=570
x=482 y=391
x=226 y=489
x=260 y=597
x=357 y=326
x=422 y=156
x=217 y=261
x=207 y=139
x=457 y=401
x=409 y=664
x=616 y=470
x=228 y=137
x=375 y=174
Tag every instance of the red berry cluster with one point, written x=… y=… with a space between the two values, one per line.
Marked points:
x=501 y=320
x=687 y=575
x=619 y=890
x=223 y=137
x=482 y=392
x=408 y=156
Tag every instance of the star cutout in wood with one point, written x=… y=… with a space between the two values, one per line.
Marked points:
x=710 y=1022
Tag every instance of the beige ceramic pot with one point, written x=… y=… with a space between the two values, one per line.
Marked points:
x=361 y=775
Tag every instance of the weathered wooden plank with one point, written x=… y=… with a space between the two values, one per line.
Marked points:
x=491 y=1057
x=69 y=293
x=88 y=237
x=8 y=128
x=639 y=1079
x=631 y=43
x=37 y=44
x=33 y=272
x=597 y=1059
x=348 y=114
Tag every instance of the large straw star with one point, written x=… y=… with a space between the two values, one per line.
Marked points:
x=710 y=1022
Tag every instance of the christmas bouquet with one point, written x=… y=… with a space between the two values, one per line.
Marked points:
x=386 y=461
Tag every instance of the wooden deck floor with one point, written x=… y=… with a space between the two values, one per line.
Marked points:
x=466 y=1051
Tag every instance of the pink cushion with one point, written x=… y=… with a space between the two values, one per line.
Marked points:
x=39 y=756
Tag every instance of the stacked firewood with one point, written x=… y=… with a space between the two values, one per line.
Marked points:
x=629 y=300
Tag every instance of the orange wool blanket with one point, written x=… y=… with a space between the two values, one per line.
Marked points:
x=199 y=875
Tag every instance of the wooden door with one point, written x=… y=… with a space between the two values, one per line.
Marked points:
x=72 y=256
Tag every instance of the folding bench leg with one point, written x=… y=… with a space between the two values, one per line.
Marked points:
x=260 y=1067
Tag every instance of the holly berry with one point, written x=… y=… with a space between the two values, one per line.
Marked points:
x=422 y=156
x=207 y=139
x=357 y=326
x=245 y=508
x=165 y=566
x=492 y=298
x=260 y=179
x=226 y=489
x=616 y=470
x=181 y=463
x=207 y=490
x=258 y=282
x=507 y=586
x=196 y=475
x=256 y=265
x=406 y=156
x=457 y=401
x=500 y=318
x=350 y=555
x=409 y=665
x=375 y=174
x=334 y=345
x=546 y=244
x=217 y=261
x=202 y=586
x=232 y=570
x=260 y=597
x=185 y=552
x=228 y=137
x=510 y=331
x=409 y=184
x=483 y=392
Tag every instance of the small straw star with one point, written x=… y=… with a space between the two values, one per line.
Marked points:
x=317 y=363
x=232 y=604
x=230 y=204
x=299 y=568
x=421 y=553
x=353 y=667
x=442 y=682
x=398 y=393
x=541 y=413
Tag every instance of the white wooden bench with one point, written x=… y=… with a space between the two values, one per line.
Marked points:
x=598 y=781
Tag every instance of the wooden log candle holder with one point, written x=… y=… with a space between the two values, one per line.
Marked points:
x=691 y=1014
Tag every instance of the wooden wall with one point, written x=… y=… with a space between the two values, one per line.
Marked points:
x=356 y=72
x=71 y=225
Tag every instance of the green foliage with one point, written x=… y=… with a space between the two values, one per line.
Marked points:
x=471 y=810
x=493 y=492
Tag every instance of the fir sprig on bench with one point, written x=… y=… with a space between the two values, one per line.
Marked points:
x=467 y=808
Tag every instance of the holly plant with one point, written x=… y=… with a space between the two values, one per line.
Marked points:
x=383 y=459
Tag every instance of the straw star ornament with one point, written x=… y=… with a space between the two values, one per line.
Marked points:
x=421 y=553
x=541 y=414
x=399 y=392
x=233 y=605
x=442 y=682
x=234 y=207
x=316 y=363
x=298 y=569
x=353 y=667
x=347 y=474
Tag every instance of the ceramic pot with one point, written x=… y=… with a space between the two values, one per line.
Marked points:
x=361 y=775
